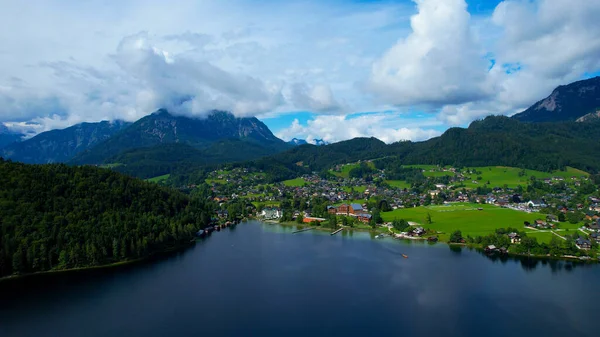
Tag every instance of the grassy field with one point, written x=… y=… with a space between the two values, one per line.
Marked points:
x=398 y=183
x=298 y=182
x=500 y=176
x=464 y=217
x=359 y=189
x=159 y=178
x=215 y=181
x=345 y=172
x=543 y=236
x=264 y=204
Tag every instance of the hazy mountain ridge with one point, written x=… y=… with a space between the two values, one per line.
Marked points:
x=61 y=145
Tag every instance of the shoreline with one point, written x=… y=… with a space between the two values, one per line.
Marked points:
x=449 y=244
x=114 y=265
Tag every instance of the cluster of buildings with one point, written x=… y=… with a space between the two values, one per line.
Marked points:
x=354 y=210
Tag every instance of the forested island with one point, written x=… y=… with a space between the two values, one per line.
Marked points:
x=55 y=217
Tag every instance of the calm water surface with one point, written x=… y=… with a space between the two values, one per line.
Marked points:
x=260 y=280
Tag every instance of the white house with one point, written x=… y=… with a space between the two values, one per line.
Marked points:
x=271 y=213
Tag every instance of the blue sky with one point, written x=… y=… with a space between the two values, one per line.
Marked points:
x=310 y=69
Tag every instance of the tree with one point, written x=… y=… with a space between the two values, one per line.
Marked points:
x=456 y=236
x=561 y=217
x=299 y=219
x=428 y=218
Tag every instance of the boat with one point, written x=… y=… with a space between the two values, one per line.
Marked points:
x=379 y=236
x=405 y=256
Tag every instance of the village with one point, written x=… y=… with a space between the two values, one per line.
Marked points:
x=552 y=205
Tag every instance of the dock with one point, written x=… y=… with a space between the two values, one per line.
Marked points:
x=303 y=230
x=336 y=231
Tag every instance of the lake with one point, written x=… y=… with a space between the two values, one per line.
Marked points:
x=260 y=280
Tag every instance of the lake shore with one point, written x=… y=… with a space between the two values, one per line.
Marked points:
x=155 y=255
x=481 y=248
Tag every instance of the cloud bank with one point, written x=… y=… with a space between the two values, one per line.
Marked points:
x=438 y=58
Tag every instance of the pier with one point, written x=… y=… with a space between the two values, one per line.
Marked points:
x=336 y=231
x=302 y=230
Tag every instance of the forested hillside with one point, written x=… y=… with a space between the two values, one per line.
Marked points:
x=496 y=140
x=56 y=217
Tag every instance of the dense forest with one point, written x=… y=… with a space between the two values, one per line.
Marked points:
x=56 y=217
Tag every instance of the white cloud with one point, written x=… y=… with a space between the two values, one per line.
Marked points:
x=330 y=128
x=439 y=63
x=233 y=54
x=318 y=98
x=542 y=44
x=80 y=61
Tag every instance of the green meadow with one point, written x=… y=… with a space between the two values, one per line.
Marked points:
x=216 y=181
x=298 y=182
x=464 y=217
x=359 y=189
x=398 y=183
x=345 y=171
x=500 y=176
x=159 y=179
x=496 y=175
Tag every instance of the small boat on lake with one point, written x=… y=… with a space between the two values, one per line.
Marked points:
x=405 y=256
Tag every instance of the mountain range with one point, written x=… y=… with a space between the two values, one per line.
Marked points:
x=552 y=133
x=566 y=103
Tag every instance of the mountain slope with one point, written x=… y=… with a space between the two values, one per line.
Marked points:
x=566 y=103
x=167 y=158
x=7 y=137
x=496 y=140
x=61 y=145
x=163 y=128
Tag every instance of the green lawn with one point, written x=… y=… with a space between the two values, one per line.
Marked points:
x=543 y=236
x=463 y=217
x=159 y=178
x=398 y=183
x=345 y=172
x=216 y=181
x=500 y=176
x=298 y=182
x=359 y=189
x=263 y=204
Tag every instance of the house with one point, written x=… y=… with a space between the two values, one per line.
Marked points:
x=332 y=209
x=490 y=249
x=539 y=223
x=551 y=218
x=595 y=237
x=364 y=217
x=356 y=208
x=310 y=219
x=271 y=213
x=514 y=237
x=583 y=243
x=536 y=204
x=419 y=231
